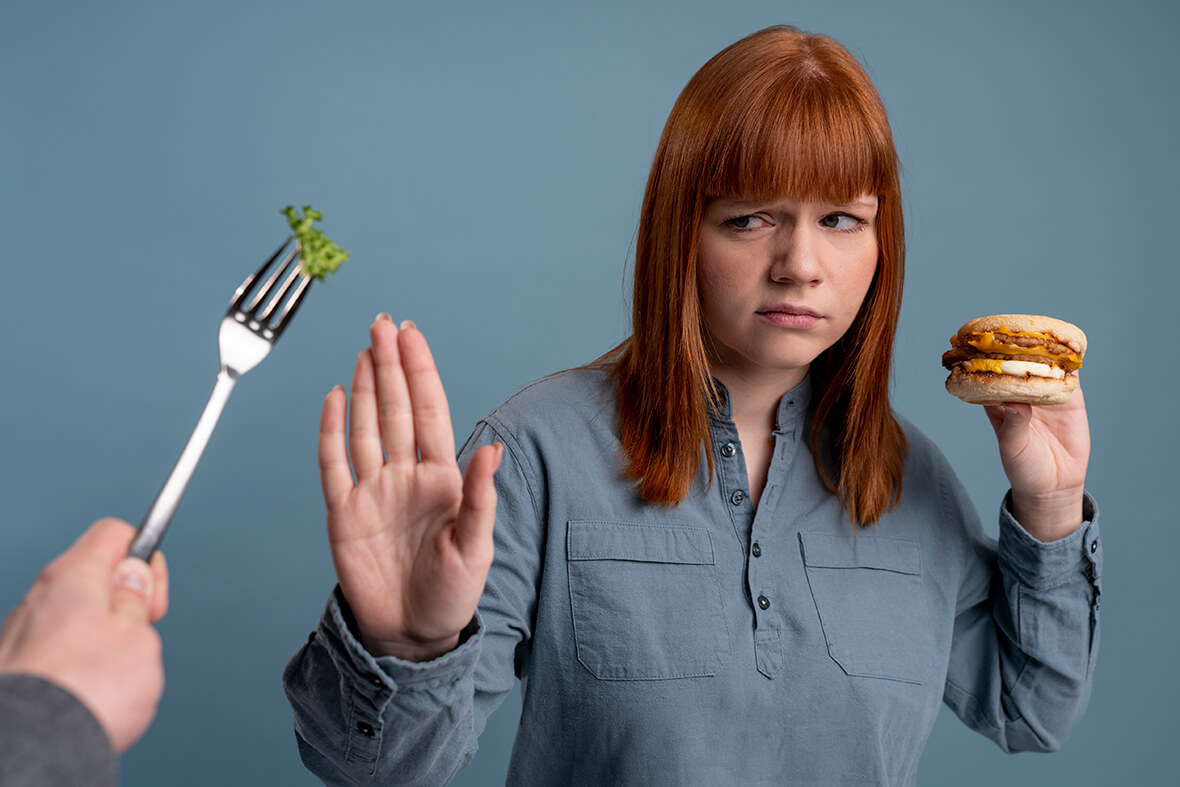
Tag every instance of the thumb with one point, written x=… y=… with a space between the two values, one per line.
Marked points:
x=131 y=591
x=477 y=514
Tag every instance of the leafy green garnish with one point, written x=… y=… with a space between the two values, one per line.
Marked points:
x=320 y=256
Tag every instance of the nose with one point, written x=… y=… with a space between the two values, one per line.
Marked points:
x=796 y=256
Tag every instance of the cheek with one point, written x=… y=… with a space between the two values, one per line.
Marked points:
x=714 y=306
x=717 y=279
x=856 y=277
x=866 y=275
x=716 y=288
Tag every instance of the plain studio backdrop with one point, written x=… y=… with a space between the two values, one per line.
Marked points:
x=484 y=164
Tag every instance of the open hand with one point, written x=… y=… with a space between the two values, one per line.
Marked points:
x=411 y=537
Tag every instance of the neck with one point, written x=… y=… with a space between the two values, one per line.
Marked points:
x=754 y=399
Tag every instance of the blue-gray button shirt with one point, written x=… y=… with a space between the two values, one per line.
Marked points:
x=710 y=643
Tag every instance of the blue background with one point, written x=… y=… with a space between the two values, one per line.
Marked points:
x=484 y=164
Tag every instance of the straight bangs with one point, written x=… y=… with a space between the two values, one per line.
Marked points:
x=806 y=137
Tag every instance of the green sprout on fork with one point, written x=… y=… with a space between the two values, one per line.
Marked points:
x=320 y=255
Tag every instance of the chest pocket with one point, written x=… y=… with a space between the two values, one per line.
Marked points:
x=645 y=600
x=868 y=593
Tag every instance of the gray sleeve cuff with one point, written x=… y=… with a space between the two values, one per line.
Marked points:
x=419 y=690
x=394 y=674
x=1041 y=565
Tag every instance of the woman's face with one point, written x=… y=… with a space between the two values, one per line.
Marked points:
x=780 y=281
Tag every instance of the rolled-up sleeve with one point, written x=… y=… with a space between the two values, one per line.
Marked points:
x=348 y=705
x=1026 y=634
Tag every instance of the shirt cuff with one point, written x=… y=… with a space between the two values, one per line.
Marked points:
x=376 y=681
x=1042 y=565
x=390 y=672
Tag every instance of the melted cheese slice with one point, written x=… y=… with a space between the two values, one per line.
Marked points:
x=987 y=341
x=1017 y=368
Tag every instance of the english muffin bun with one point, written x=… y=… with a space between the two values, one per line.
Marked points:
x=1015 y=358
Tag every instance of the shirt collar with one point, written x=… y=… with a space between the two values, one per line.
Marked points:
x=791 y=407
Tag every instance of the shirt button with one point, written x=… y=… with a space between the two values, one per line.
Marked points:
x=738 y=497
x=364 y=728
x=763 y=602
x=1093 y=546
x=376 y=681
x=756 y=550
x=728 y=450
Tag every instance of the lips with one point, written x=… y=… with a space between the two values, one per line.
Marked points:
x=790 y=316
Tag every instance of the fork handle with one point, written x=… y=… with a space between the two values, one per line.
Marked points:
x=151 y=530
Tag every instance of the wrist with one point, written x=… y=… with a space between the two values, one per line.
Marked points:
x=409 y=649
x=1049 y=516
x=402 y=647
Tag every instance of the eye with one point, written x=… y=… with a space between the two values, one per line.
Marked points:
x=841 y=221
x=745 y=222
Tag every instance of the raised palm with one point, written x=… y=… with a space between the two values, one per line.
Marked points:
x=411 y=537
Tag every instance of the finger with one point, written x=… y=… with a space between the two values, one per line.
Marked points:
x=432 y=417
x=1016 y=416
x=159 y=603
x=105 y=537
x=1011 y=427
x=131 y=590
x=96 y=552
x=364 y=436
x=394 y=411
x=1077 y=401
x=477 y=513
x=332 y=448
x=995 y=416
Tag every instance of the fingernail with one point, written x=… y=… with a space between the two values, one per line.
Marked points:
x=1009 y=410
x=407 y=325
x=132 y=577
x=383 y=316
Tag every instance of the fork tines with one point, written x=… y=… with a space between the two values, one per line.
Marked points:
x=260 y=319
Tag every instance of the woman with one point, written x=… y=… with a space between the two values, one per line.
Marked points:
x=719 y=556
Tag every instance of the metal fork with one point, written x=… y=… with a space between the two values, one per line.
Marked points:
x=247 y=333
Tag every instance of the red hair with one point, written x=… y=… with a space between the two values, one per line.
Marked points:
x=779 y=113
